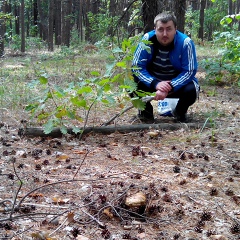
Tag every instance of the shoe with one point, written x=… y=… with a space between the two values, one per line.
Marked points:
x=146 y=120
x=141 y=119
x=179 y=118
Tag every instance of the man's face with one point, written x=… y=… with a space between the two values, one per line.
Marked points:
x=165 y=32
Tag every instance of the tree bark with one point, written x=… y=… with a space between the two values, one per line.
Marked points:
x=194 y=5
x=66 y=22
x=230 y=7
x=150 y=11
x=43 y=28
x=86 y=20
x=16 y=15
x=201 y=20
x=58 y=24
x=238 y=10
x=2 y=28
x=179 y=10
x=39 y=132
x=80 y=20
x=50 y=25
x=22 y=26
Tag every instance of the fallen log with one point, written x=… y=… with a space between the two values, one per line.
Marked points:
x=39 y=132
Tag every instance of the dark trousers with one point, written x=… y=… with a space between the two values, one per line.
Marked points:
x=187 y=96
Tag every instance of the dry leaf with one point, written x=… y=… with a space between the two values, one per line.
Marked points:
x=136 y=200
x=62 y=157
x=121 y=105
x=70 y=217
x=36 y=195
x=2 y=210
x=79 y=151
x=218 y=237
x=39 y=236
x=114 y=144
x=153 y=133
x=60 y=201
x=107 y=211
x=142 y=235
x=81 y=237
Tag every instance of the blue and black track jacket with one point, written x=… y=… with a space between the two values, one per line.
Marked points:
x=182 y=57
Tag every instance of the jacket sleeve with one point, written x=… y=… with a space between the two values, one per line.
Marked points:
x=142 y=57
x=188 y=65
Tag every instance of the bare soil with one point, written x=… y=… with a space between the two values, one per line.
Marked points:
x=66 y=188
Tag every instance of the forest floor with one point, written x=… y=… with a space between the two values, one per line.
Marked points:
x=188 y=180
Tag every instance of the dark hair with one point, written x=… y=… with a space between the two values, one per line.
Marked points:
x=165 y=17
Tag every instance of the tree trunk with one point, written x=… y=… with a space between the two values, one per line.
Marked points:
x=43 y=28
x=80 y=20
x=50 y=25
x=16 y=15
x=230 y=7
x=179 y=10
x=194 y=5
x=238 y=10
x=201 y=20
x=9 y=10
x=22 y=26
x=112 y=12
x=2 y=28
x=63 y=22
x=35 y=18
x=150 y=11
x=87 y=24
x=66 y=23
x=28 y=23
x=58 y=24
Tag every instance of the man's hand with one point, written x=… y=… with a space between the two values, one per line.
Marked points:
x=160 y=95
x=164 y=86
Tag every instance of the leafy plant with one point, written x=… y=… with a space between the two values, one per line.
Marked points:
x=224 y=68
x=60 y=106
x=100 y=24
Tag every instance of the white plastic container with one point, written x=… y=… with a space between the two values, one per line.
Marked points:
x=166 y=106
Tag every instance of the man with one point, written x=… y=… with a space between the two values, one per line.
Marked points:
x=165 y=63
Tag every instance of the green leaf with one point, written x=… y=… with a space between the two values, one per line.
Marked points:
x=61 y=113
x=43 y=116
x=85 y=89
x=63 y=130
x=138 y=103
x=95 y=73
x=124 y=86
x=125 y=44
x=110 y=99
x=59 y=92
x=122 y=64
x=107 y=87
x=79 y=102
x=109 y=69
x=31 y=107
x=43 y=80
x=117 y=50
x=48 y=127
x=71 y=114
x=103 y=81
x=105 y=101
x=33 y=83
x=76 y=130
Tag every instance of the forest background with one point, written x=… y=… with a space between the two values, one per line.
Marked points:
x=67 y=63
x=114 y=27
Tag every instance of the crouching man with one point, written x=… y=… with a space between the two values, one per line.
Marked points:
x=166 y=64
